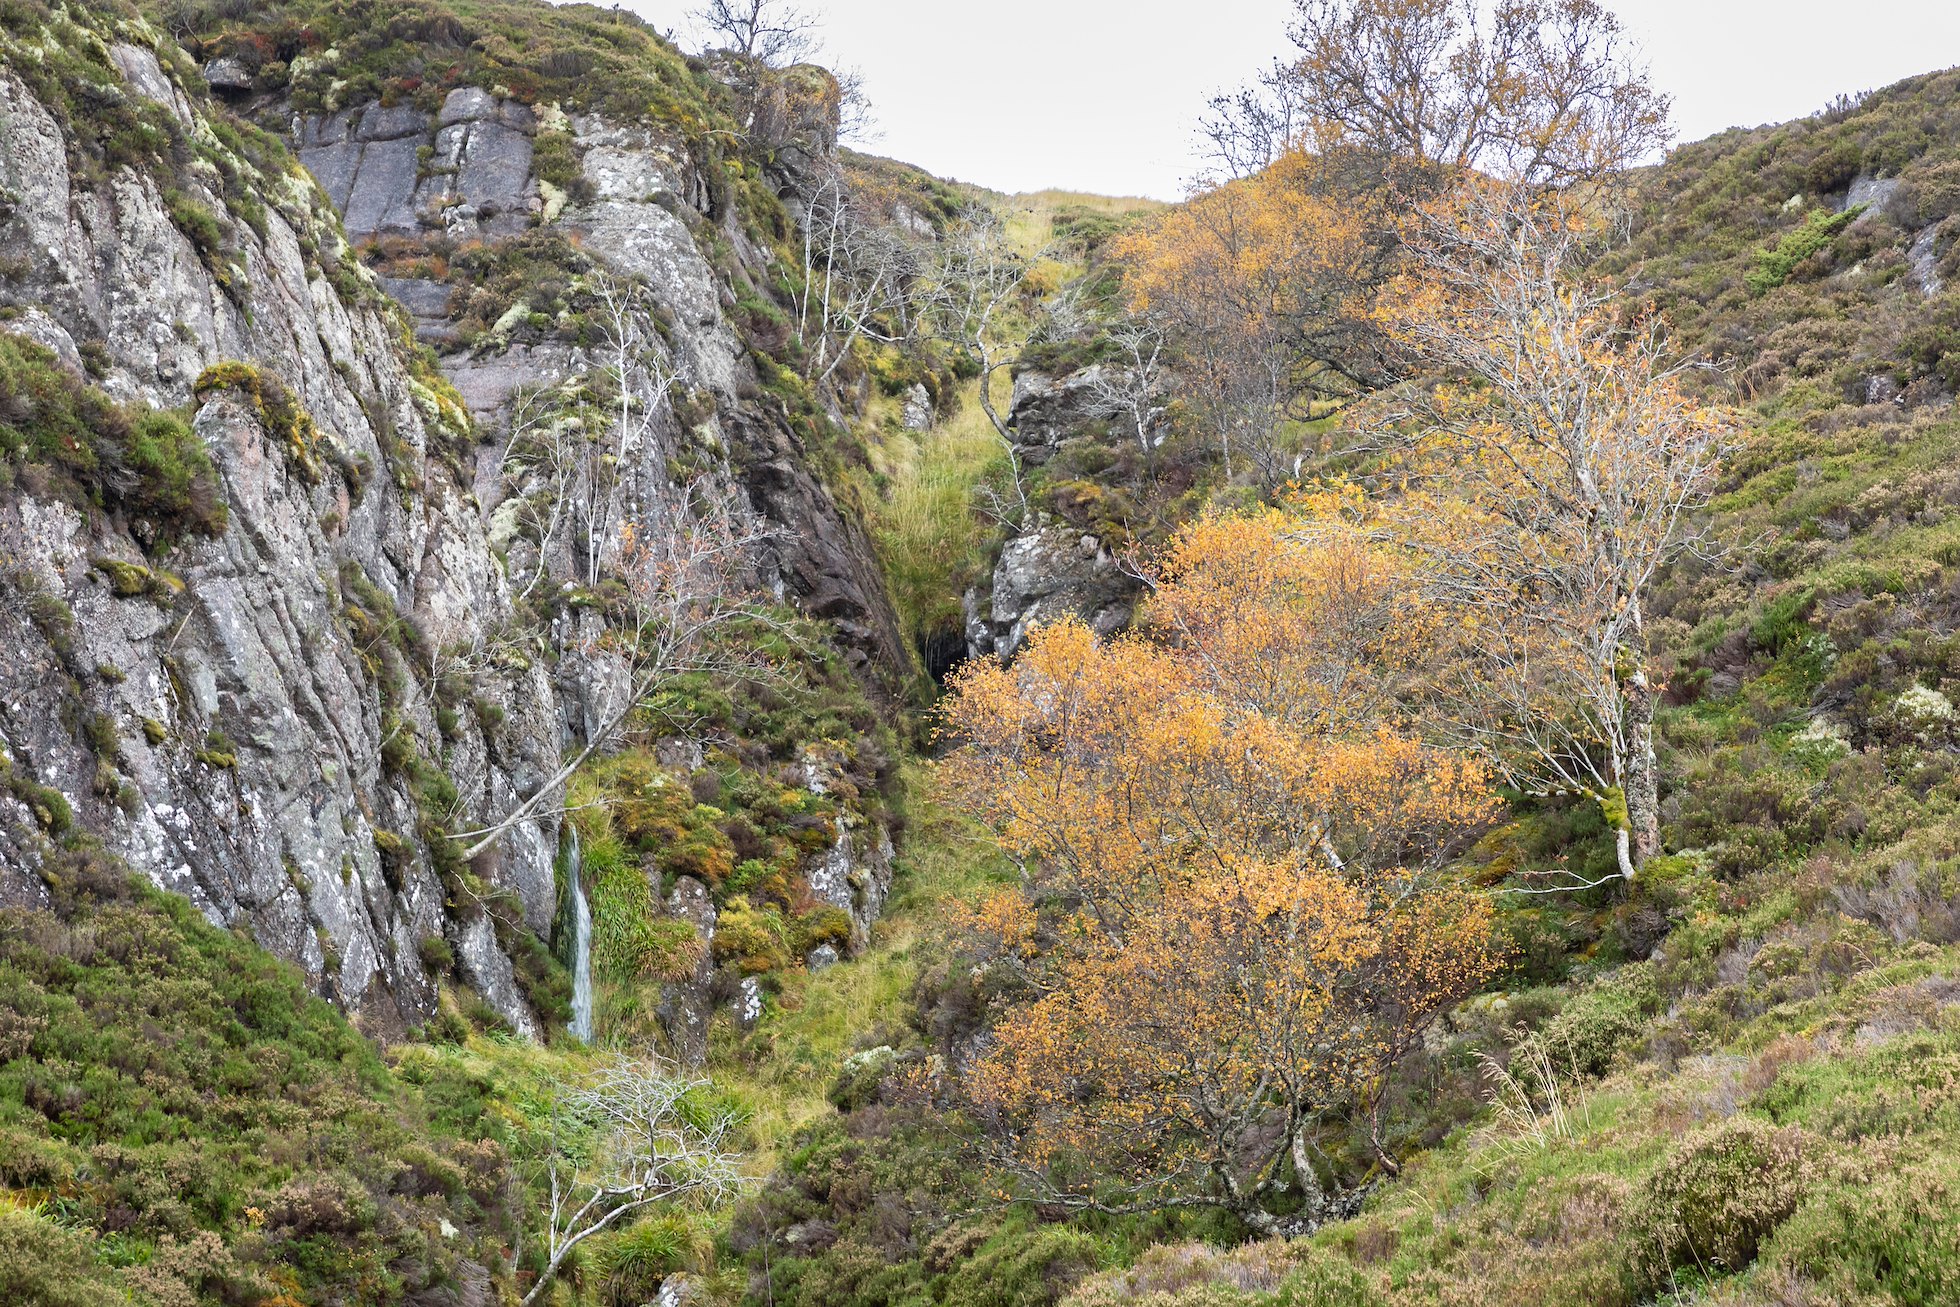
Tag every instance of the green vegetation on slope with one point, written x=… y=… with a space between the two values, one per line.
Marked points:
x=215 y=1131
x=935 y=499
x=64 y=437
x=327 y=55
x=788 y=1068
x=1732 y=1083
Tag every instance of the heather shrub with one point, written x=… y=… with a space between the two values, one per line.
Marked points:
x=1205 y=1294
x=42 y=1263
x=1273 y=1273
x=1895 y=1234
x=1325 y=1280
x=1587 y=1036
x=1168 y=1271
x=1717 y=1197
x=1023 y=1268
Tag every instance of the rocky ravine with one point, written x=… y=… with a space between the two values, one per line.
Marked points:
x=246 y=768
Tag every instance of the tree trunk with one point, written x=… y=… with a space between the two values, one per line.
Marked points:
x=1641 y=781
x=1314 y=1197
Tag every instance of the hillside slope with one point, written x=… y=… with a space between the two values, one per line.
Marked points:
x=1744 y=1095
x=283 y=325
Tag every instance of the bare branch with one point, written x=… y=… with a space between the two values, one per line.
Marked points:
x=656 y=1143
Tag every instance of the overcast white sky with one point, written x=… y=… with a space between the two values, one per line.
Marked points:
x=1101 y=95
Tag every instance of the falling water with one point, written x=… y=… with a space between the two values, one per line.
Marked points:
x=581 y=946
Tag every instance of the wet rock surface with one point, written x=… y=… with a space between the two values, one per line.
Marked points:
x=396 y=171
x=1047 y=410
x=646 y=218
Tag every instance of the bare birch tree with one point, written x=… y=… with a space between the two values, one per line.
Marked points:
x=976 y=281
x=685 y=559
x=1568 y=464
x=640 y=376
x=572 y=449
x=1540 y=91
x=857 y=276
x=1132 y=390
x=1247 y=130
x=682 y=553
x=768 y=33
x=653 y=1145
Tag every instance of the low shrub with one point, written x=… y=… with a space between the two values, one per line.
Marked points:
x=1290 y=1274
x=44 y=1264
x=1587 y=1036
x=1894 y=1236
x=236 y=1133
x=1023 y=1268
x=144 y=463
x=1717 y=1197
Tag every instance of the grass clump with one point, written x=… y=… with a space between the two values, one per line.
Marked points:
x=64 y=437
x=924 y=519
x=1775 y=263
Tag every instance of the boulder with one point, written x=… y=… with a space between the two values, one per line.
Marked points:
x=1047 y=410
x=917 y=414
x=229 y=76
x=1050 y=572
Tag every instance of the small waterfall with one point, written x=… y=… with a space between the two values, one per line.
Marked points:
x=581 y=944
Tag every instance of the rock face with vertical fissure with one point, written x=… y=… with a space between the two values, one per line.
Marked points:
x=257 y=733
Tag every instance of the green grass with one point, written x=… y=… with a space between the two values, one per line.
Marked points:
x=924 y=513
x=783 y=1070
x=1857 y=1080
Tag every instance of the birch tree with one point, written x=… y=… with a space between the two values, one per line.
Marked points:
x=857 y=277
x=1538 y=91
x=652 y=1143
x=1564 y=463
x=1264 y=287
x=684 y=560
x=972 y=287
x=767 y=33
x=1250 y=841
x=638 y=372
x=1132 y=390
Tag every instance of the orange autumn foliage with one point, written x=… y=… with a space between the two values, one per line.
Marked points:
x=1264 y=287
x=1249 y=837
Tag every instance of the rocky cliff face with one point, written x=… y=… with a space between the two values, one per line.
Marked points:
x=247 y=765
x=641 y=209
x=1049 y=569
x=255 y=720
